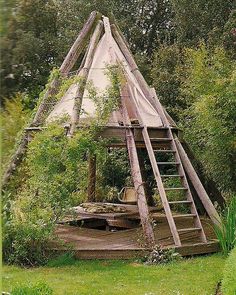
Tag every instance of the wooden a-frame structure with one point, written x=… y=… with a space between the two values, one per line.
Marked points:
x=145 y=124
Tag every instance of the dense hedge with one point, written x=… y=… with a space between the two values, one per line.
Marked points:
x=229 y=278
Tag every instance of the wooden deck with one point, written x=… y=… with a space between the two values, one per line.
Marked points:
x=89 y=243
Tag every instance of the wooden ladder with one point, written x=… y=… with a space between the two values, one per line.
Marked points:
x=172 y=149
x=188 y=200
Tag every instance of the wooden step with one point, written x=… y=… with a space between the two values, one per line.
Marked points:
x=165 y=151
x=171 y=175
x=184 y=215
x=160 y=139
x=180 y=202
x=168 y=163
x=175 y=188
x=182 y=230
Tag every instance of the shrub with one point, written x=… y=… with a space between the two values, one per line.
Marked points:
x=229 y=279
x=37 y=289
x=27 y=231
x=13 y=118
x=209 y=120
x=159 y=255
x=226 y=230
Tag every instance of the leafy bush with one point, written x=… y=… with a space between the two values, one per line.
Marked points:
x=226 y=230
x=209 y=121
x=13 y=119
x=229 y=279
x=159 y=255
x=57 y=169
x=37 y=289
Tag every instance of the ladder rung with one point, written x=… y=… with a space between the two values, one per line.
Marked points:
x=171 y=175
x=160 y=139
x=184 y=215
x=189 y=229
x=168 y=163
x=180 y=202
x=175 y=188
x=165 y=151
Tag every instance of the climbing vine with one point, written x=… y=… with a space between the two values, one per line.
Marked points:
x=56 y=168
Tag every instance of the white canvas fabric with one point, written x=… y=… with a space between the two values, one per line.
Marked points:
x=108 y=53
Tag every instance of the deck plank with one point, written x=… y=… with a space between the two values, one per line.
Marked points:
x=88 y=243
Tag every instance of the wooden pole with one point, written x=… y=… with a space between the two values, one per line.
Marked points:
x=69 y=62
x=16 y=159
x=137 y=177
x=83 y=74
x=79 y=43
x=53 y=88
x=203 y=196
x=134 y=68
x=92 y=178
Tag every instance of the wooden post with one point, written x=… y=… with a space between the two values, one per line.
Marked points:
x=83 y=74
x=197 y=184
x=79 y=43
x=69 y=62
x=137 y=177
x=92 y=178
x=135 y=70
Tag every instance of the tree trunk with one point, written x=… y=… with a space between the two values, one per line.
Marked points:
x=92 y=178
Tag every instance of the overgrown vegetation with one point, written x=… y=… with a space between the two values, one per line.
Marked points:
x=54 y=179
x=161 y=256
x=226 y=230
x=209 y=120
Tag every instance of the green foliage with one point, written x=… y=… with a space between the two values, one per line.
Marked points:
x=66 y=259
x=226 y=230
x=13 y=119
x=195 y=20
x=160 y=256
x=229 y=281
x=37 y=289
x=28 y=48
x=229 y=35
x=167 y=74
x=56 y=167
x=210 y=118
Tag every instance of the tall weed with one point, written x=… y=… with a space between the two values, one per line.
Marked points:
x=226 y=230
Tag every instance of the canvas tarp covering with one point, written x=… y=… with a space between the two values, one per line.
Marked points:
x=106 y=54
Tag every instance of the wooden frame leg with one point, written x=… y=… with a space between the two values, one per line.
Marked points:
x=92 y=178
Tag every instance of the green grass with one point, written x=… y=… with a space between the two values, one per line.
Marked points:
x=187 y=277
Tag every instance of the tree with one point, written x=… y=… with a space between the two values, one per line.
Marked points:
x=28 y=48
x=210 y=119
x=194 y=20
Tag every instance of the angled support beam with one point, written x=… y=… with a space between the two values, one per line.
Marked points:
x=79 y=43
x=137 y=177
x=203 y=196
x=134 y=68
x=68 y=63
x=83 y=74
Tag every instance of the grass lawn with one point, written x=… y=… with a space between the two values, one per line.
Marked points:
x=188 y=277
